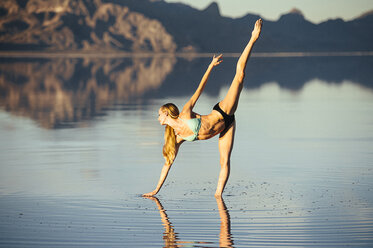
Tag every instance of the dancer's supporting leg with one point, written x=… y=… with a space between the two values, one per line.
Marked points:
x=225 y=149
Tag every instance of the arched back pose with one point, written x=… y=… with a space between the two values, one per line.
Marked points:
x=190 y=126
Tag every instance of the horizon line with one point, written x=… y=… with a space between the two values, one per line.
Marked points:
x=119 y=54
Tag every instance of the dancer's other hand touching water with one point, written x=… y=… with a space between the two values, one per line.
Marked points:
x=188 y=125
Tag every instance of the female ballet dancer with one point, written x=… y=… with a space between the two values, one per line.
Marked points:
x=190 y=126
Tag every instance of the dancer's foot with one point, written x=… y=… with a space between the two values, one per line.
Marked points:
x=257 y=29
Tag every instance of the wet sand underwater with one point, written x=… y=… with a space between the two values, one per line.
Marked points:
x=301 y=168
x=262 y=218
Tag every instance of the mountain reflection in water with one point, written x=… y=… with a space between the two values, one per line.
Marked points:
x=62 y=92
x=59 y=92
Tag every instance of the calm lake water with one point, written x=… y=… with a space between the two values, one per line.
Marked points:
x=80 y=142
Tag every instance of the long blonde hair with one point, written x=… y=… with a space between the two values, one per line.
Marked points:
x=169 y=148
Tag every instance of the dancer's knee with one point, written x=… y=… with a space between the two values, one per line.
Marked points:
x=224 y=162
x=240 y=75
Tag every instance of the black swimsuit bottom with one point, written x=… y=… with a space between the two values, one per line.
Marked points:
x=228 y=119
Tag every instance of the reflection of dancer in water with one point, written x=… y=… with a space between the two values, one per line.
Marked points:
x=190 y=126
x=170 y=237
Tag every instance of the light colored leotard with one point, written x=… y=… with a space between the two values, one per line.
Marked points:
x=194 y=125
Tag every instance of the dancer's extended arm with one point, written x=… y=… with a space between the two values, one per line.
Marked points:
x=190 y=104
x=166 y=168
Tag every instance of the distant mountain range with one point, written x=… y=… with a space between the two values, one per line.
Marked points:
x=65 y=92
x=158 y=26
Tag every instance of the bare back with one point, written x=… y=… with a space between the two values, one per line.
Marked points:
x=212 y=124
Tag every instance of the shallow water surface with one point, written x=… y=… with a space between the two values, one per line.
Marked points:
x=80 y=143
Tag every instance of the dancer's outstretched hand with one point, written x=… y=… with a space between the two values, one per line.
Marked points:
x=257 y=29
x=153 y=193
x=216 y=60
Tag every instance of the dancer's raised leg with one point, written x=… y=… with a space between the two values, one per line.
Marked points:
x=230 y=102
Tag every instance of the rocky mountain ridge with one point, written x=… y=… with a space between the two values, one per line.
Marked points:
x=158 y=26
x=79 y=25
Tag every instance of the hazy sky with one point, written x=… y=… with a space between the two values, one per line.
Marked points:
x=314 y=10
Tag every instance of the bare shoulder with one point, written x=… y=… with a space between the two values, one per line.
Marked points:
x=187 y=114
